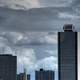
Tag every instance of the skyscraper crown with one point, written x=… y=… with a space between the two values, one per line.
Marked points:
x=68 y=27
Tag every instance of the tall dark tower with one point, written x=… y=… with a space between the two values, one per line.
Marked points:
x=8 y=65
x=67 y=53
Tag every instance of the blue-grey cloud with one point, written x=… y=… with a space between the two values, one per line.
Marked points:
x=76 y=3
x=56 y=3
x=27 y=4
x=48 y=63
x=30 y=38
x=37 y=38
x=41 y=19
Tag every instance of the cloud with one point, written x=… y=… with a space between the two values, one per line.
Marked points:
x=37 y=38
x=49 y=51
x=14 y=37
x=76 y=3
x=51 y=39
x=27 y=4
x=26 y=58
x=56 y=3
x=41 y=19
x=48 y=63
x=30 y=38
x=19 y=4
x=5 y=47
x=66 y=15
x=52 y=52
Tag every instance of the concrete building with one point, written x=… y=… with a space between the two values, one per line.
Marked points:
x=67 y=53
x=8 y=66
x=44 y=75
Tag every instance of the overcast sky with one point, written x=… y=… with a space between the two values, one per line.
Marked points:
x=28 y=29
x=26 y=4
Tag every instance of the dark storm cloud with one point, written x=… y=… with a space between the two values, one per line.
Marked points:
x=42 y=19
x=2 y=19
x=76 y=3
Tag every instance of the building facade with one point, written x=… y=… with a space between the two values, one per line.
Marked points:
x=8 y=67
x=21 y=76
x=67 y=54
x=28 y=77
x=44 y=75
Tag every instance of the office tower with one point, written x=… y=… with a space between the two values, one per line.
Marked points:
x=21 y=76
x=8 y=67
x=67 y=53
x=44 y=75
x=28 y=76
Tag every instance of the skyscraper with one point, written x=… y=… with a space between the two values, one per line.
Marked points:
x=21 y=76
x=44 y=75
x=67 y=53
x=8 y=67
x=28 y=77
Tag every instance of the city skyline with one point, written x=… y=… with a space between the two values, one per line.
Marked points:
x=48 y=47
x=28 y=29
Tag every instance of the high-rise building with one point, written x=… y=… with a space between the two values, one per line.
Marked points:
x=21 y=76
x=28 y=76
x=67 y=53
x=44 y=75
x=8 y=67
